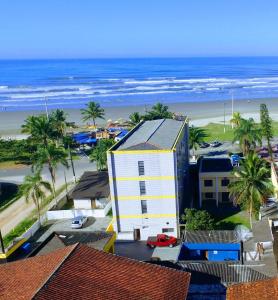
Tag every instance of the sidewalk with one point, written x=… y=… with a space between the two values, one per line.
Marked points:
x=20 y=210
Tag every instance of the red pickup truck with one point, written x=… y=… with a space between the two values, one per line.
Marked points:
x=161 y=240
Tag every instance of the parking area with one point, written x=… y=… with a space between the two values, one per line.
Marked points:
x=133 y=249
x=224 y=148
x=93 y=224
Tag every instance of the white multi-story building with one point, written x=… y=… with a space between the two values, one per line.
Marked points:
x=148 y=172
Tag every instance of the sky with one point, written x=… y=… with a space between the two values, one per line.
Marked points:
x=137 y=28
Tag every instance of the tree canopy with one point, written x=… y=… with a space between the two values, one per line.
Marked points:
x=92 y=111
x=252 y=184
x=197 y=219
x=248 y=134
x=266 y=126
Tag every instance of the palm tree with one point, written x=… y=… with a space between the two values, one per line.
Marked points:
x=58 y=118
x=135 y=118
x=93 y=111
x=248 y=135
x=52 y=156
x=267 y=128
x=40 y=129
x=34 y=187
x=159 y=111
x=99 y=154
x=252 y=185
x=196 y=137
x=236 y=118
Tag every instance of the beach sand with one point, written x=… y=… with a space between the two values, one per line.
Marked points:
x=199 y=113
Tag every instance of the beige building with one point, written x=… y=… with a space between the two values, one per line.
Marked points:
x=214 y=178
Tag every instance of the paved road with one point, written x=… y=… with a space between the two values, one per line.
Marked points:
x=19 y=210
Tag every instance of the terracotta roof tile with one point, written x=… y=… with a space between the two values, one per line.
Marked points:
x=256 y=290
x=91 y=274
x=22 y=279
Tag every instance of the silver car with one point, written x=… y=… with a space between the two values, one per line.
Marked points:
x=78 y=222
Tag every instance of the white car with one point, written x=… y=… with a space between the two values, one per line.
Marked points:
x=78 y=222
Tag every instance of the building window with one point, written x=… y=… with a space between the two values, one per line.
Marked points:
x=141 y=168
x=164 y=230
x=226 y=197
x=225 y=182
x=209 y=195
x=144 y=206
x=142 y=186
x=208 y=182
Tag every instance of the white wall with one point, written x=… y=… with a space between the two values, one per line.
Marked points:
x=160 y=193
x=71 y=213
x=82 y=203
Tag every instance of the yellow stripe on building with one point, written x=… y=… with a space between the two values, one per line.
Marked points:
x=141 y=178
x=147 y=216
x=145 y=197
x=140 y=151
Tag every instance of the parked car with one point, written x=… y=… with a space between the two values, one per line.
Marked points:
x=161 y=240
x=78 y=222
x=215 y=144
x=204 y=145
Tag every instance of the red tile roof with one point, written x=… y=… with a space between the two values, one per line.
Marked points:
x=22 y=279
x=86 y=273
x=256 y=290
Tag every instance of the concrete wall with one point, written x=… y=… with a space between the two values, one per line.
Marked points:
x=71 y=213
x=82 y=203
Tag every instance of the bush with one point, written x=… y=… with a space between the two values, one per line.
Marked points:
x=197 y=219
x=19 y=230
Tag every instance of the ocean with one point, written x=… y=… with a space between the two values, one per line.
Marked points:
x=28 y=84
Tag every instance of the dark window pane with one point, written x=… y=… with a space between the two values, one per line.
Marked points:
x=208 y=183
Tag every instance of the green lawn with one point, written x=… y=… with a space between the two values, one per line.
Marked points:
x=230 y=222
x=19 y=230
x=216 y=131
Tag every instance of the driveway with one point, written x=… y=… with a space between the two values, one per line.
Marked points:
x=93 y=224
x=133 y=249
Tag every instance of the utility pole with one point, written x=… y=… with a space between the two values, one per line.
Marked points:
x=72 y=165
x=66 y=183
x=224 y=117
x=232 y=107
x=46 y=108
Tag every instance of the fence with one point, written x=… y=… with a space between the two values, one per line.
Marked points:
x=71 y=213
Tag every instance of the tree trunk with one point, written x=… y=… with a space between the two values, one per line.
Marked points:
x=52 y=174
x=94 y=122
x=250 y=214
x=38 y=209
x=270 y=150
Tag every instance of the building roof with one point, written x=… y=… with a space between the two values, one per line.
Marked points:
x=262 y=289
x=92 y=185
x=86 y=273
x=215 y=165
x=22 y=279
x=60 y=239
x=151 y=135
x=211 y=236
x=224 y=273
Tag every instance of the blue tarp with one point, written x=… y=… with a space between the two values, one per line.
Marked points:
x=83 y=138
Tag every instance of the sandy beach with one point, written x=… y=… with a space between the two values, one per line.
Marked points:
x=199 y=113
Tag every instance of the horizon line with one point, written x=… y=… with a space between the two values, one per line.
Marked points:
x=140 y=57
